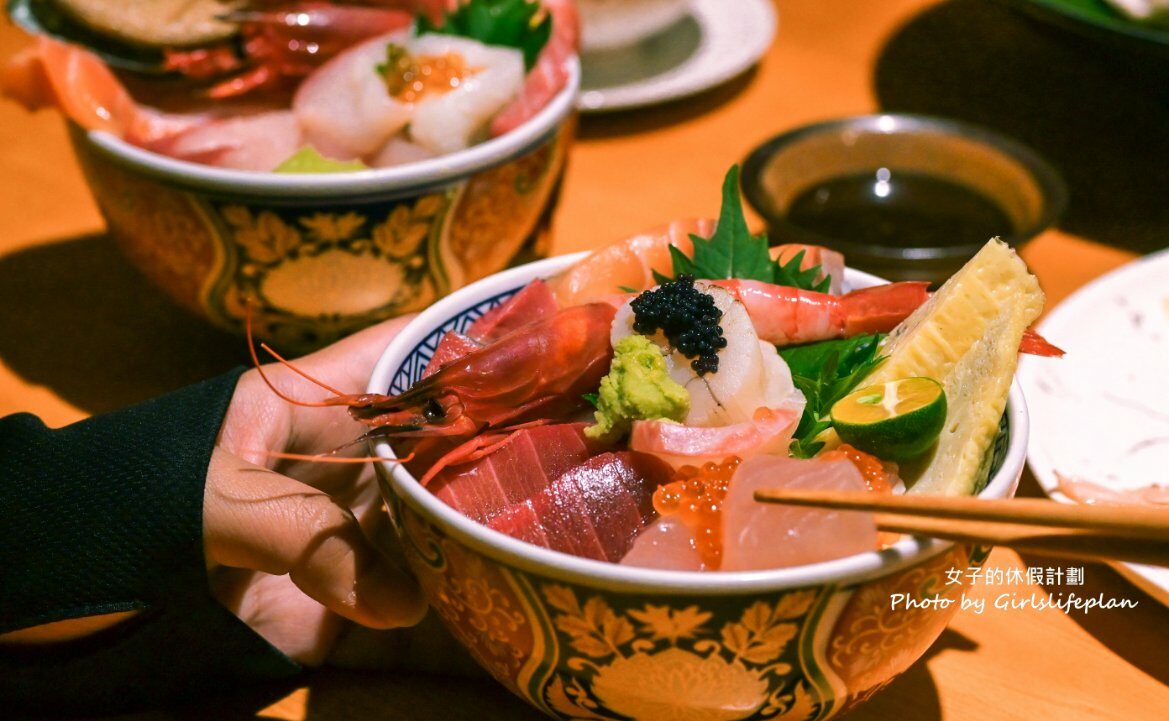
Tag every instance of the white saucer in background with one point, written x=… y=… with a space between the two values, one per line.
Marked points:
x=717 y=41
x=1101 y=413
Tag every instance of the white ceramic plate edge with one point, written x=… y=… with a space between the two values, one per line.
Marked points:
x=703 y=70
x=1152 y=580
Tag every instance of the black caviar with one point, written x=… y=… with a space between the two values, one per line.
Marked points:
x=687 y=317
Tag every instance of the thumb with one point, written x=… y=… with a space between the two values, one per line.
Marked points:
x=257 y=519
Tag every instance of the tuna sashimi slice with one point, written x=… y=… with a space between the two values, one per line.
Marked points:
x=668 y=544
x=617 y=489
x=594 y=510
x=520 y=521
x=567 y=521
x=535 y=302
x=517 y=471
x=759 y=536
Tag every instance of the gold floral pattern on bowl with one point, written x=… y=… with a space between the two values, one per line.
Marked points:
x=317 y=269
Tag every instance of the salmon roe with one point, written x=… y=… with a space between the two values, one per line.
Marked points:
x=696 y=498
x=409 y=77
x=873 y=469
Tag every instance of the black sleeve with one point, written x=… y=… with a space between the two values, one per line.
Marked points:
x=106 y=515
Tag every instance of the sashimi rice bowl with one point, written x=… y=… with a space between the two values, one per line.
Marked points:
x=330 y=165
x=580 y=440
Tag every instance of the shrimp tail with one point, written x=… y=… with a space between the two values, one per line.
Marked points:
x=1035 y=344
x=879 y=309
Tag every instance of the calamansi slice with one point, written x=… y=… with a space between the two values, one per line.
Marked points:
x=897 y=420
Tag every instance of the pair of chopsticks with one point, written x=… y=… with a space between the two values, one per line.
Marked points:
x=1135 y=534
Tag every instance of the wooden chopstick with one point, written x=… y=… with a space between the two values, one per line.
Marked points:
x=1100 y=532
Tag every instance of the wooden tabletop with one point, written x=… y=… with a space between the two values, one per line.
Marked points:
x=81 y=333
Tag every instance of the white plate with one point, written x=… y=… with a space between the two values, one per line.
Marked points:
x=717 y=41
x=1101 y=413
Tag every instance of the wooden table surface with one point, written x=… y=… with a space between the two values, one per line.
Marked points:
x=81 y=333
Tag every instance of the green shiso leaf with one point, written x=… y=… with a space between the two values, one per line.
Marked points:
x=733 y=252
x=825 y=372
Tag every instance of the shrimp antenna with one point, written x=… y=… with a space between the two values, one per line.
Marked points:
x=260 y=369
x=290 y=366
x=326 y=458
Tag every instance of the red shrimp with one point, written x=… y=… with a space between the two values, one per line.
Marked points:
x=786 y=316
x=537 y=371
x=287 y=41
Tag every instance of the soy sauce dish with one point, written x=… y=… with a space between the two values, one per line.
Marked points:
x=908 y=197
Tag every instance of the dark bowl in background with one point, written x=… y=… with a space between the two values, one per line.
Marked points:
x=1024 y=186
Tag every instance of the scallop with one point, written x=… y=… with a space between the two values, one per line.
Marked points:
x=750 y=373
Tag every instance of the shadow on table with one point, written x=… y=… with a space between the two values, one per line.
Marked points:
x=647 y=120
x=1138 y=635
x=345 y=695
x=1101 y=118
x=348 y=695
x=80 y=320
x=913 y=696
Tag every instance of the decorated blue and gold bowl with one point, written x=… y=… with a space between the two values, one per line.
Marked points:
x=583 y=639
x=321 y=255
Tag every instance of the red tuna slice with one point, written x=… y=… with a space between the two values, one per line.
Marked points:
x=555 y=518
x=452 y=347
x=517 y=471
x=758 y=536
x=473 y=490
x=534 y=302
x=617 y=489
x=594 y=510
x=520 y=521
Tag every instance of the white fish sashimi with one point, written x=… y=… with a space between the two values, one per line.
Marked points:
x=257 y=142
x=758 y=536
x=449 y=121
x=668 y=544
x=398 y=151
x=344 y=108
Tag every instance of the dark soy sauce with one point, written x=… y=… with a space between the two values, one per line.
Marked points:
x=907 y=210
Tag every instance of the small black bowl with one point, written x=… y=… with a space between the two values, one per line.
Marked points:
x=1023 y=186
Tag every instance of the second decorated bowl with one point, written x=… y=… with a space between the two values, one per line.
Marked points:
x=583 y=639
x=321 y=255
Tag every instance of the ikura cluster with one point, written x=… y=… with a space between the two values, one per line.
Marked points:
x=696 y=497
x=878 y=474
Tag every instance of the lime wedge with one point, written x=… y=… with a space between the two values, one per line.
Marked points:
x=896 y=421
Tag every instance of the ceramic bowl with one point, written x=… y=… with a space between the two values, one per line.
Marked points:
x=1030 y=193
x=322 y=255
x=583 y=639
x=610 y=24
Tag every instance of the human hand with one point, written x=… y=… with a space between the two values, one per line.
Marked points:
x=294 y=547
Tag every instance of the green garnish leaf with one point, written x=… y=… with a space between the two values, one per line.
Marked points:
x=789 y=274
x=521 y=24
x=825 y=372
x=309 y=160
x=593 y=398
x=733 y=252
x=627 y=289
